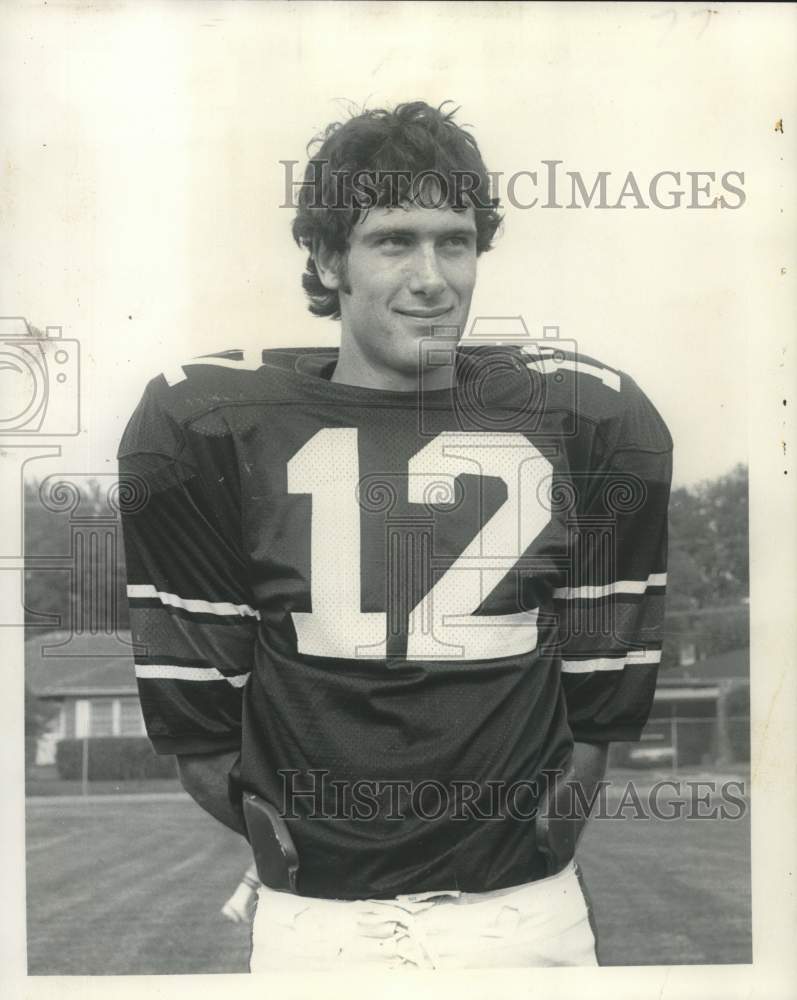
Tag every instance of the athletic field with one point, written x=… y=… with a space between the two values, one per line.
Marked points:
x=119 y=887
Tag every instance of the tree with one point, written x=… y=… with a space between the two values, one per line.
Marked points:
x=52 y=587
x=708 y=569
x=709 y=540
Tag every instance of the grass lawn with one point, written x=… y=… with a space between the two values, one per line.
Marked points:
x=124 y=887
x=35 y=787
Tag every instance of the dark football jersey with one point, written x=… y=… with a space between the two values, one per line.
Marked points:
x=401 y=607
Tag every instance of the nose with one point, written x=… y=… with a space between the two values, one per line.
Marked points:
x=426 y=278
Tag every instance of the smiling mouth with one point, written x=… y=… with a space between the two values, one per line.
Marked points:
x=424 y=313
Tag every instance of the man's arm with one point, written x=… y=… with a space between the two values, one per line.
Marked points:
x=205 y=778
x=566 y=812
x=589 y=766
x=186 y=570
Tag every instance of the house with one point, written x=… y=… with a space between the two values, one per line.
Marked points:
x=90 y=680
x=701 y=713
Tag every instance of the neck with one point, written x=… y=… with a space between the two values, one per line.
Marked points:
x=357 y=371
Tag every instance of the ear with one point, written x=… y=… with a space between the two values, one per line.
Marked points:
x=328 y=265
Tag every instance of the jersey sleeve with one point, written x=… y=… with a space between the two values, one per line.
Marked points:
x=192 y=618
x=611 y=611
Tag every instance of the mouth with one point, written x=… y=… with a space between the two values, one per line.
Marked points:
x=425 y=314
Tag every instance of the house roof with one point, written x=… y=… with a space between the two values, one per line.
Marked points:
x=59 y=664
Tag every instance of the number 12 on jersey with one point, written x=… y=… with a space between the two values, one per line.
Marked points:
x=443 y=625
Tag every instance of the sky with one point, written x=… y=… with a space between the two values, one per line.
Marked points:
x=143 y=194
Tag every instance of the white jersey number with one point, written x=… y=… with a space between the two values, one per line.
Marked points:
x=443 y=624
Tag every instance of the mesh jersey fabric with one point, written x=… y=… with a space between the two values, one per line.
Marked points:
x=402 y=608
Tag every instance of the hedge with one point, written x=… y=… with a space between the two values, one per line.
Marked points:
x=113 y=758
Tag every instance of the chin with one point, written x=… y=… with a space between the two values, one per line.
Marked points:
x=414 y=362
x=448 y=331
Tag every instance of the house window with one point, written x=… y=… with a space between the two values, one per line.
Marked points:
x=102 y=717
x=58 y=725
x=82 y=718
x=131 y=721
x=109 y=717
x=48 y=740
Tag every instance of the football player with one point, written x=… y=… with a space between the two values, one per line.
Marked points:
x=396 y=599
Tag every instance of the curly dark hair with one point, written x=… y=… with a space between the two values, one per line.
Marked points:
x=383 y=158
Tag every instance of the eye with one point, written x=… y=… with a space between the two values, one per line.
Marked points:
x=459 y=242
x=393 y=240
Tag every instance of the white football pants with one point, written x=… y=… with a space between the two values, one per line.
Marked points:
x=540 y=923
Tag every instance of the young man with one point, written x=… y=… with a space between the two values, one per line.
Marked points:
x=392 y=590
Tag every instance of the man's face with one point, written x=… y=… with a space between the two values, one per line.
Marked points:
x=408 y=270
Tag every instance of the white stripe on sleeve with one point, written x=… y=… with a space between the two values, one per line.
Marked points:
x=174 y=672
x=145 y=590
x=640 y=657
x=606 y=590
